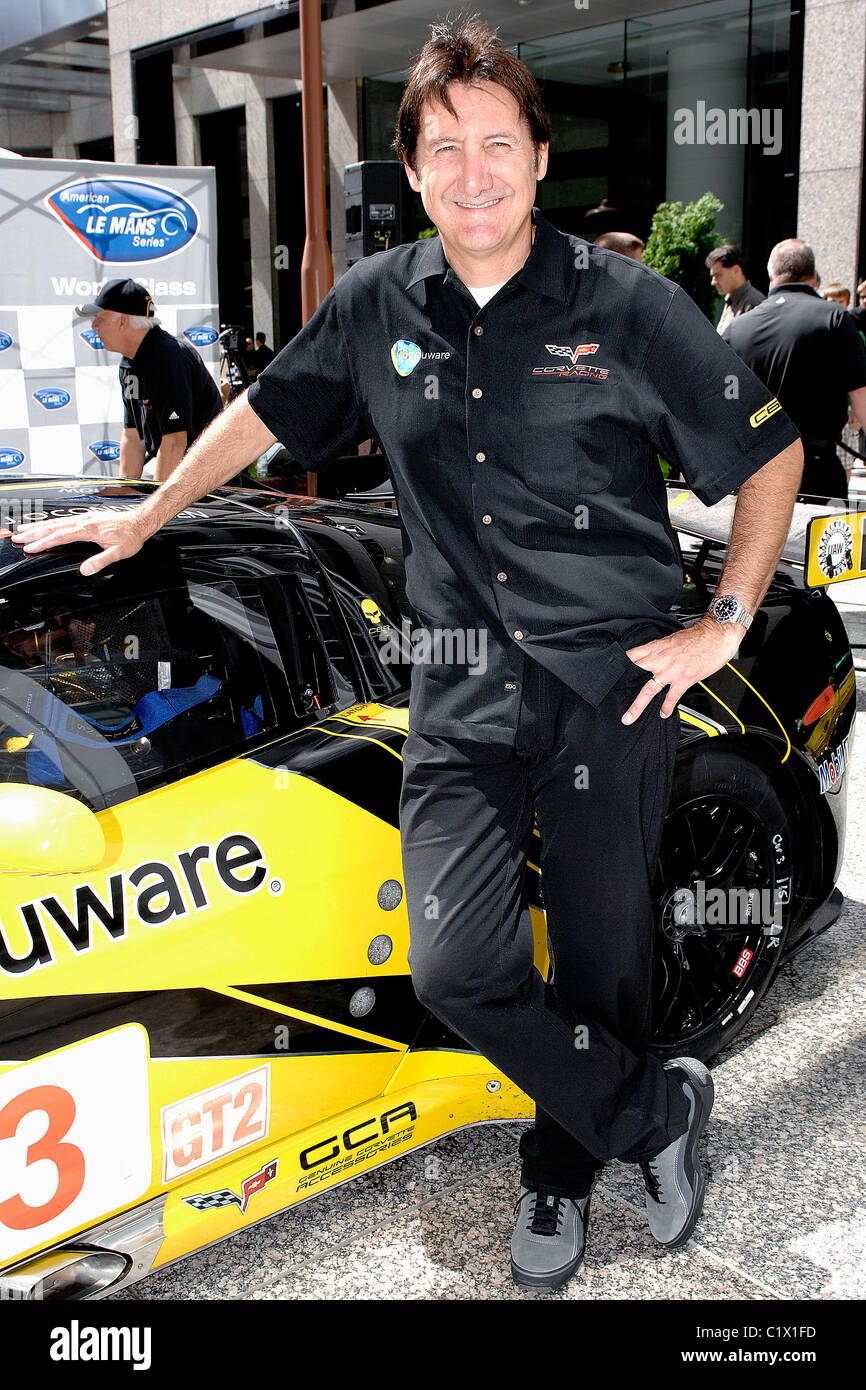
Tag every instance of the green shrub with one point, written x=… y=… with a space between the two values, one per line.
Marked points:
x=680 y=240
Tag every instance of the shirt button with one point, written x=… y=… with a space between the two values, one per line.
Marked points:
x=519 y=635
x=479 y=458
x=478 y=330
x=502 y=576
x=477 y=393
x=487 y=518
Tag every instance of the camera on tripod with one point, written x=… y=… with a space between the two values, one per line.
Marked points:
x=233 y=364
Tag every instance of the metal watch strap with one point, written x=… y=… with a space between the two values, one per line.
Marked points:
x=732 y=611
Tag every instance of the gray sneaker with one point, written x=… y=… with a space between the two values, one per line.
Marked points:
x=674 y=1178
x=549 y=1239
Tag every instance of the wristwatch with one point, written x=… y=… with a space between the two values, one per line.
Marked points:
x=727 y=609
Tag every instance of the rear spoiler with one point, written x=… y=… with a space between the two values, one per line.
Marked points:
x=828 y=546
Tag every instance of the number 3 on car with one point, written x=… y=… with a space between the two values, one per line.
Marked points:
x=74 y=1138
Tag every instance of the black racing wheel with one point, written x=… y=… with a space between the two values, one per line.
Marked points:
x=723 y=906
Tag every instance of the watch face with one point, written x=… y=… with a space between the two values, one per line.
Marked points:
x=724 y=609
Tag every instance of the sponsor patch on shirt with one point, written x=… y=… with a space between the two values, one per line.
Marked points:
x=405 y=355
x=764 y=413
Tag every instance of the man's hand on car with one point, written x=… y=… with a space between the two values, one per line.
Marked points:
x=681 y=659
x=119 y=536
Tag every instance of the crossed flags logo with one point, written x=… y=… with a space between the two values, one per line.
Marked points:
x=206 y=1201
x=582 y=350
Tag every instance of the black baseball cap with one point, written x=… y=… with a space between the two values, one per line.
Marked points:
x=123 y=296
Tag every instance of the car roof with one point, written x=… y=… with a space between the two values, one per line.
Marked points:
x=239 y=512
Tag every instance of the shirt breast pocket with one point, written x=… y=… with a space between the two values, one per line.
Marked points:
x=564 y=435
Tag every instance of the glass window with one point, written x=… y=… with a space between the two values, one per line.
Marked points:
x=614 y=92
x=105 y=701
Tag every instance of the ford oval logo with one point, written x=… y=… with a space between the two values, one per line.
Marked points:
x=51 y=400
x=10 y=458
x=92 y=338
x=200 y=336
x=122 y=220
x=5 y=341
x=106 y=450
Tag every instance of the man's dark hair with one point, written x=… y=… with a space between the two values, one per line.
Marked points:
x=260 y=337
x=728 y=255
x=464 y=49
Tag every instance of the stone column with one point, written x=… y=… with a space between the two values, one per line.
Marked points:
x=260 y=172
x=831 y=137
x=185 y=123
x=343 y=144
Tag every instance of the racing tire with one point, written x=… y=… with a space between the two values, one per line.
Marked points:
x=716 y=952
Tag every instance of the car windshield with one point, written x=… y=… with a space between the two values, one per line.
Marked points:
x=106 y=701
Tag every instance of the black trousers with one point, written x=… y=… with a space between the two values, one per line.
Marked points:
x=576 y=1043
x=823 y=477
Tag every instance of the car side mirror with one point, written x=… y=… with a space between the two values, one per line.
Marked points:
x=43 y=831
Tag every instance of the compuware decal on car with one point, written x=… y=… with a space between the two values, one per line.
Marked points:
x=156 y=892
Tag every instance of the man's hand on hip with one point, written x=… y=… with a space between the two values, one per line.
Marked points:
x=681 y=659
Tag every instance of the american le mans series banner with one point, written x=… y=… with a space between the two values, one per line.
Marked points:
x=67 y=227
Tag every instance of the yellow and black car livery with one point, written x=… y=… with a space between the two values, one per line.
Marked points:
x=206 y=1012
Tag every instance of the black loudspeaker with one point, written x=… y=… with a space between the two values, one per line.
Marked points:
x=375 y=207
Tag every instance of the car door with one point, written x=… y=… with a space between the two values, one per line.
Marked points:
x=188 y=931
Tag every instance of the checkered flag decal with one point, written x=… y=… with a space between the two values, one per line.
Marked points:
x=205 y=1201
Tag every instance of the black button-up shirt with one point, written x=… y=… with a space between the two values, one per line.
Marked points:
x=808 y=351
x=522 y=439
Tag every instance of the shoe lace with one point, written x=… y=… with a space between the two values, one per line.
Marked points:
x=547 y=1215
x=652 y=1181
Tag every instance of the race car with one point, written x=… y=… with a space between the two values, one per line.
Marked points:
x=206 y=1010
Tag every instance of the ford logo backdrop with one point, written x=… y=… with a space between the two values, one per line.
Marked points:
x=124 y=221
x=51 y=400
x=5 y=341
x=106 y=450
x=200 y=336
x=10 y=458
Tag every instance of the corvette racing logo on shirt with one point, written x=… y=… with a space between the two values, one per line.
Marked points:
x=582 y=350
x=586 y=372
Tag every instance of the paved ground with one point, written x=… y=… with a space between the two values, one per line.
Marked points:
x=785 y=1214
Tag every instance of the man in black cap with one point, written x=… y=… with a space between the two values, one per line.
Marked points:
x=169 y=396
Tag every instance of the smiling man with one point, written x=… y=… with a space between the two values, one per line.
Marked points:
x=521 y=384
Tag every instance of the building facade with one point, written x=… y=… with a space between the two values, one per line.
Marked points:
x=758 y=101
